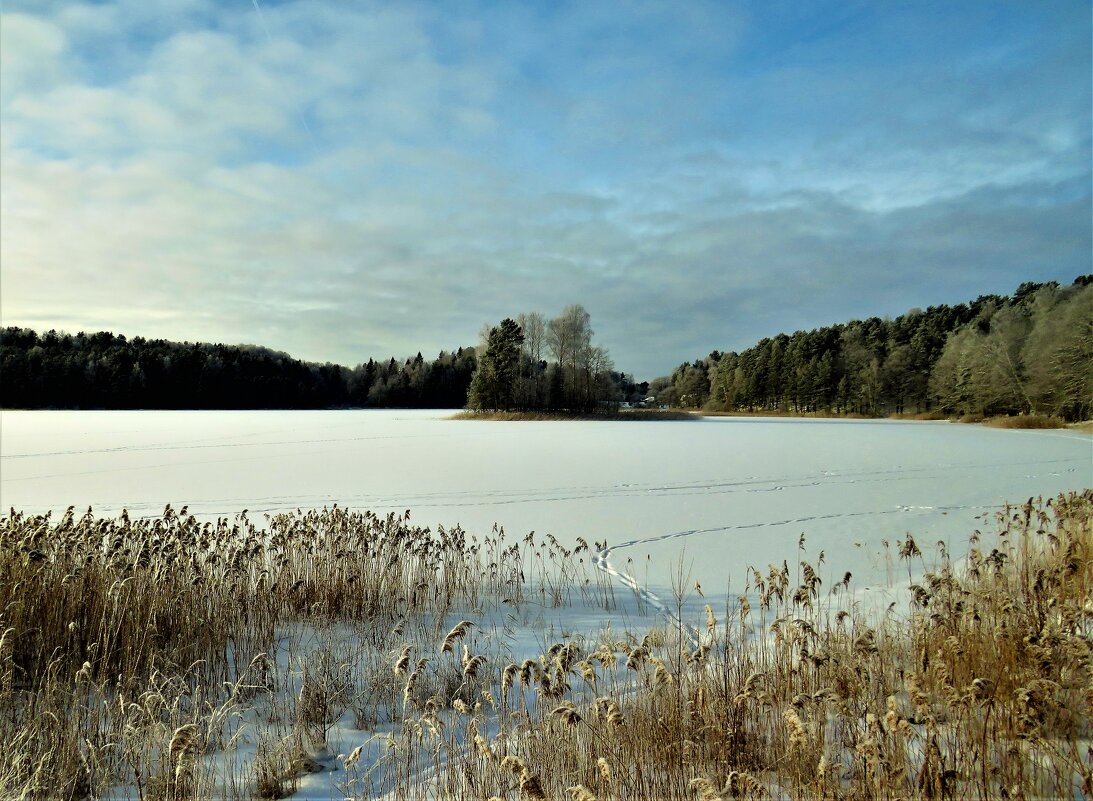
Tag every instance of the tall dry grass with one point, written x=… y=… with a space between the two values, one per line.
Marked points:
x=132 y=652
x=130 y=647
x=981 y=688
x=1025 y=421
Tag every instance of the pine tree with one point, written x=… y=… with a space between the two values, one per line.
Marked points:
x=493 y=385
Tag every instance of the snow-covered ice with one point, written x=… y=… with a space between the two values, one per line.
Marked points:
x=715 y=494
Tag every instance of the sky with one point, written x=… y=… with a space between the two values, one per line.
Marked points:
x=344 y=180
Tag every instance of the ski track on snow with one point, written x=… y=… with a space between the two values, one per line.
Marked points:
x=478 y=498
x=601 y=558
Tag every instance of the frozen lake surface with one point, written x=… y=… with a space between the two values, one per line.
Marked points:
x=715 y=494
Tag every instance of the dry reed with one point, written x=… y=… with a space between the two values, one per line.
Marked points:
x=130 y=650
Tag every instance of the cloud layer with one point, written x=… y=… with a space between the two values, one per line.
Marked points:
x=348 y=180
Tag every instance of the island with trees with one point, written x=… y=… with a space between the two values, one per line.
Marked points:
x=534 y=368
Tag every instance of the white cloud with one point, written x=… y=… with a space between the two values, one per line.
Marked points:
x=159 y=178
x=30 y=53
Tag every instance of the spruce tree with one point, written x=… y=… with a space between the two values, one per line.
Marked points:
x=493 y=385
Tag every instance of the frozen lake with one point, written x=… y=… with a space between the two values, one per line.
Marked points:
x=715 y=494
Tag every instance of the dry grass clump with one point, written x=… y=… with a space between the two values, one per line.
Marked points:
x=129 y=596
x=931 y=415
x=131 y=649
x=1025 y=421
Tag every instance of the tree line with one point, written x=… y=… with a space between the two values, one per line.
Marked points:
x=108 y=371
x=1031 y=352
x=514 y=372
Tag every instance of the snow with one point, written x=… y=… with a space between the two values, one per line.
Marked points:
x=716 y=494
x=662 y=504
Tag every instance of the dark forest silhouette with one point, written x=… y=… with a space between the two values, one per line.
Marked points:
x=1029 y=352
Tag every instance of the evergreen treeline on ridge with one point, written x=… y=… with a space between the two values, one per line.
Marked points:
x=1029 y=353
x=106 y=371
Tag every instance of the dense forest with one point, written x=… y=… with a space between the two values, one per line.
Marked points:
x=104 y=371
x=108 y=371
x=1031 y=352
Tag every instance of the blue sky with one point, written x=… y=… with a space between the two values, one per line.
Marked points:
x=349 y=179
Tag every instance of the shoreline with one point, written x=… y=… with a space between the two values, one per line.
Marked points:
x=1012 y=422
x=622 y=414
